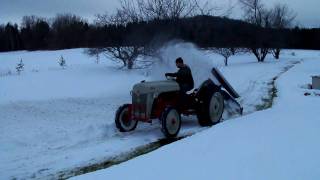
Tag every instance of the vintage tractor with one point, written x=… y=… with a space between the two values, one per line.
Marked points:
x=162 y=100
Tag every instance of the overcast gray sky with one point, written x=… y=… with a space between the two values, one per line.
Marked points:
x=13 y=10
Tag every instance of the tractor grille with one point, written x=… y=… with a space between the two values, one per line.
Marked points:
x=139 y=106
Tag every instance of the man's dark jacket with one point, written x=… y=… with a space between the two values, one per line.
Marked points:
x=184 y=78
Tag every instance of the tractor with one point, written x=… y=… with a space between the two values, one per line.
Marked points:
x=162 y=100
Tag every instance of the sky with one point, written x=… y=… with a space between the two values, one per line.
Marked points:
x=308 y=14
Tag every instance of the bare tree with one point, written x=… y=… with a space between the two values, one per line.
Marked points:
x=127 y=12
x=256 y=13
x=207 y=8
x=260 y=53
x=127 y=55
x=281 y=17
x=166 y=9
x=226 y=53
x=95 y=52
x=253 y=11
x=175 y=9
x=145 y=10
x=135 y=11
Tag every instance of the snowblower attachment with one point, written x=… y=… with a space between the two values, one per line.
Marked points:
x=230 y=95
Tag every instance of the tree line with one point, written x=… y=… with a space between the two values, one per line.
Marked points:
x=70 y=31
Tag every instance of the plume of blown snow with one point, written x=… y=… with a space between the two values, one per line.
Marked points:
x=199 y=62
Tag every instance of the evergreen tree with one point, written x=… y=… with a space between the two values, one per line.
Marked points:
x=20 y=67
x=62 y=62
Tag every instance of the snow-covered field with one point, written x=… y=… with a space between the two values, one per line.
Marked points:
x=54 y=120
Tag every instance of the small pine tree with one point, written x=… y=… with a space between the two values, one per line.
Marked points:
x=20 y=67
x=62 y=62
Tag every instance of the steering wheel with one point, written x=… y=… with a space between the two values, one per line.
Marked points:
x=170 y=78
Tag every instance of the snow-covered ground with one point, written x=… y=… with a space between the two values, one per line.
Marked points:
x=278 y=143
x=54 y=120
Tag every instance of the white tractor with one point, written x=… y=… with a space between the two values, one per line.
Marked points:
x=160 y=100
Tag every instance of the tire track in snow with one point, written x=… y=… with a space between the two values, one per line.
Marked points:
x=268 y=102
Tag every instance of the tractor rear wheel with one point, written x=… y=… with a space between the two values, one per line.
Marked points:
x=123 y=119
x=210 y=112
x=171 y=122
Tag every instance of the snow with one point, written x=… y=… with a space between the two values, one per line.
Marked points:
x=54 y=119
x=44 y=79
x=278 y=143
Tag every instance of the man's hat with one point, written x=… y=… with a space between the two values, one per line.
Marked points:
x=179 y=60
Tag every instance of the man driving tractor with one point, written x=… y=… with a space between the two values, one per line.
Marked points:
x=167 y=101
x=183 y=76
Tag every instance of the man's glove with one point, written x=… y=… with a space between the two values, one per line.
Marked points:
x=167 y=74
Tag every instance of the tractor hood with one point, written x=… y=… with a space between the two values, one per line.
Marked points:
x=156 y=87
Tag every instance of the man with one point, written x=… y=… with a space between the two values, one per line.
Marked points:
x=183 y=76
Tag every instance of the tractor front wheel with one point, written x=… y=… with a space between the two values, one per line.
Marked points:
x=171 y=122
x=124 y=120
